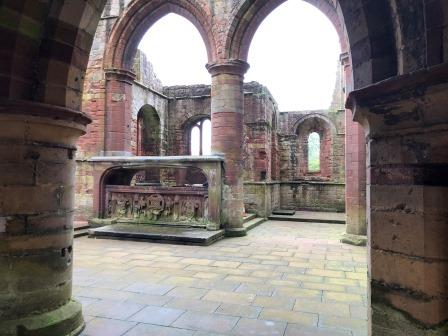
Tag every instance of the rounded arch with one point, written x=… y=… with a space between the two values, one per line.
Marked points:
x=310 y=117
x=193 y=120
x=148 y=108
x=367 y=32
x=140 y=16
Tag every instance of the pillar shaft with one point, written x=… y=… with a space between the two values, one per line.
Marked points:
x=355 y=177
x=407 y=135
x=37 y=167
x=227 y=117
x=355 y=168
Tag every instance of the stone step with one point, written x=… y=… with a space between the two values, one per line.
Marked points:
x=248 y=217
x=253 y=223
x=157 y=234
x=80 y=232
x=80 y=225
x=80 y=229
x=311 y=217
x=284 y=212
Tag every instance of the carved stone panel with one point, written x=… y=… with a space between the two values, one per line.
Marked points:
x=157 y=204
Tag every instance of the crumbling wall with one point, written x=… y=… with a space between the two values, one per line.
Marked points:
x=146 y=90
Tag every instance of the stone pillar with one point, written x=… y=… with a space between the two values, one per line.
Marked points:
x=406 y=123
x=37 y=170
x=118 y=115
x=355 y=170
x=227 y=116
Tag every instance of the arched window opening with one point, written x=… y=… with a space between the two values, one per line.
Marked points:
x=200 y=138
x=314 y=152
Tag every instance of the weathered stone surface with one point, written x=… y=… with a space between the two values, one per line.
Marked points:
x=36 y=240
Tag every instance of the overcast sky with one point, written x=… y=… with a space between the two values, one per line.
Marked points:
x=294 y=53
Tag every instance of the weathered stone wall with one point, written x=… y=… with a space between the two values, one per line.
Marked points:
x=260 y=122
x=301 y=189
x=187 y=105
x=313 y=196
x=147 y=90
x=178 y=107
x=271 y=140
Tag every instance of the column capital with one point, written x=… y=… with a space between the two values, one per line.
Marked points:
x=232 y=67
x=402 y=103
x=121 y=75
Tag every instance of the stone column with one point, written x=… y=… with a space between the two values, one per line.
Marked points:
x=406 y=123
x=227 y=112
x=355 y=170
x=118 y=115
x=37 y=170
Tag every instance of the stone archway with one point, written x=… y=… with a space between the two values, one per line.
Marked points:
x=358 y=31
x=119 y=56
x=248 y=17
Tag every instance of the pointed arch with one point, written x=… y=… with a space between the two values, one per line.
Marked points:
x=370 y=37
x=140 y=16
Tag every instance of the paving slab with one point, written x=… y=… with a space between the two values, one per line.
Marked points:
x=287 y=278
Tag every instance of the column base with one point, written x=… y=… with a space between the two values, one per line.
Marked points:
x=63 y=321
x=235 y=232
x=352 y=239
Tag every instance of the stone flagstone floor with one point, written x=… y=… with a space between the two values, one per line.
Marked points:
x=284 y=278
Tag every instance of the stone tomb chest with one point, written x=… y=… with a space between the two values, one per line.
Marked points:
x=158 y=204
x=179 y=205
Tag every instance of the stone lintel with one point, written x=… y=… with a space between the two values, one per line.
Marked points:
x=232 y=67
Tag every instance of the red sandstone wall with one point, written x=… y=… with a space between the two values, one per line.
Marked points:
x=300 y=189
